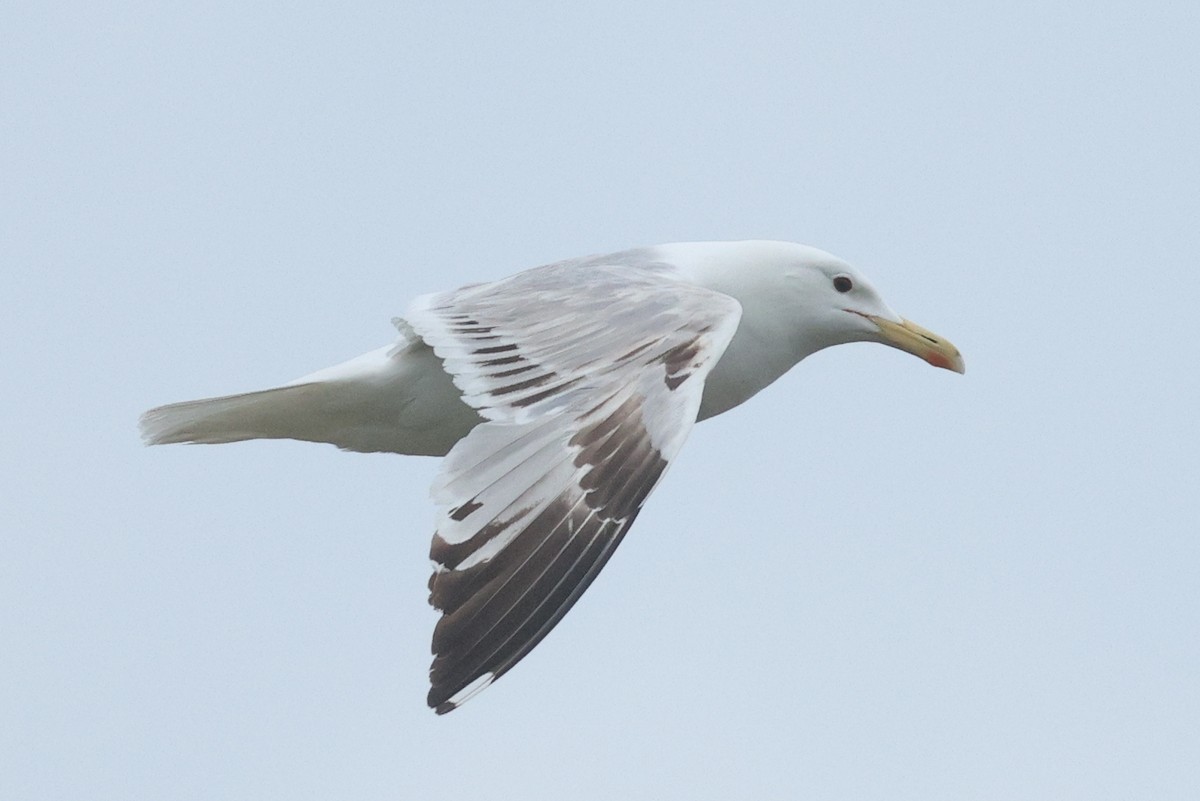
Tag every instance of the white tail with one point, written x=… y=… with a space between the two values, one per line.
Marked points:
x=396 y=399
x=284 y=412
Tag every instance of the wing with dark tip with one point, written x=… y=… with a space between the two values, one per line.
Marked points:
x=589 y=377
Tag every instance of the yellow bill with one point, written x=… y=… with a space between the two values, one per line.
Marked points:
x=908 y=336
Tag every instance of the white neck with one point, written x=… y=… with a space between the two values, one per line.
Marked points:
x=765 y=345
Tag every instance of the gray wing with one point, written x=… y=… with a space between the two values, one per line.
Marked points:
x=589 y=380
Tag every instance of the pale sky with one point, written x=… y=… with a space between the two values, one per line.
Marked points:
x=874 y=580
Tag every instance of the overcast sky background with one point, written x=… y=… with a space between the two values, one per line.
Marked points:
x=875 y=580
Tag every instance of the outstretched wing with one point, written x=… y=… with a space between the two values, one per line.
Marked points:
x=589 y=378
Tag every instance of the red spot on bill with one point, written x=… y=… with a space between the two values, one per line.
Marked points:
x=938 y=360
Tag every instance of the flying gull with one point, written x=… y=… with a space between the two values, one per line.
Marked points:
x=558 y=396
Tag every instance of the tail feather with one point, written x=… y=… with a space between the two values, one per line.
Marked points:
x=283 y=412
x=396 y=399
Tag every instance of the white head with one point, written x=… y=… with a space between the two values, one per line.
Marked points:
x=795 y=300
x=807 y=297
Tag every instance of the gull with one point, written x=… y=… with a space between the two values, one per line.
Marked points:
x=558 y=397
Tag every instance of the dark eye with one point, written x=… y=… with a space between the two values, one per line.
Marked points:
x=842 y=283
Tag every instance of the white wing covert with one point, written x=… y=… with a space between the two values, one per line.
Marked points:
x=589 y=377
